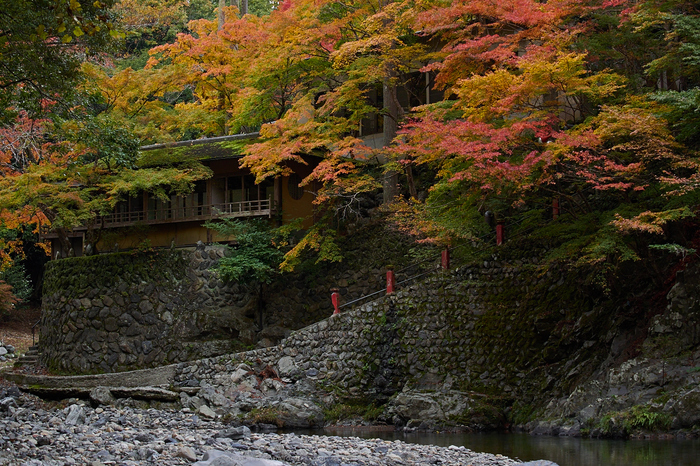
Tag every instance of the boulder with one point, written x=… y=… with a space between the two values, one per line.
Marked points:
x=213 y=397
x=75 y=415
x=7 y=404
x=298 y=413
x=225 y=458
x=286 y=367
x=685 y=408
x=206 y=412
x=234 y=433
x=102 y=396
x=190 y=402
x=186 y=453
x=429 y=406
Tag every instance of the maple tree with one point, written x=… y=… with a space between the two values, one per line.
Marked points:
x=522 y=83
x=234 y=71
x=591 y=104
x=41 y=47
x=77 y=160
x=189 y=88
x=355 y=56
x=78 y=174
x=7 y=299
x=536 y=116
x=516 y=81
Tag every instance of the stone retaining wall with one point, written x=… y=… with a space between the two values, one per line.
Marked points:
x=331 y=350
x=435 y=334
x=123 y=311
x=132 y=310
x=482 y=346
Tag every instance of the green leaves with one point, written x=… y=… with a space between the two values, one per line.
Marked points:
x=257 y=254
x=104 y=142
x=35 y=67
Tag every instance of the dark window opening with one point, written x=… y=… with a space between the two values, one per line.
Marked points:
x=295 y=191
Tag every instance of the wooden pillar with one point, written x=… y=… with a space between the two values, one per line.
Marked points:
x=335 y=297
x=390 y=281
x=445 y=262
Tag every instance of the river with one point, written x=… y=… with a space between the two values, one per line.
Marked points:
x=565 y=451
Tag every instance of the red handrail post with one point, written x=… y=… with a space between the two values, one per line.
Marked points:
x=500 y=233
x=555 y=208
x=335 y=296
x=390 y=281
x=445 y=261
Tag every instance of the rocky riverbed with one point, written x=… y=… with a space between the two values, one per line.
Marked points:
x=33 y=432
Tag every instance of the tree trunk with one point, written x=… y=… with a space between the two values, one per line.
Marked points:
x=392 y=110
x=65 y=242
x=221 y=17
x=222 y=96
x=243 y=7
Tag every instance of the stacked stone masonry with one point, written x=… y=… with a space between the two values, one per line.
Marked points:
x=165 y=309
x=423 y=336
x=124 y=311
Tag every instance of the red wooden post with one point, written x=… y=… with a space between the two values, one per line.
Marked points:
x=555 y=208
x=390 y=281
x=500 y=234
x=445 y=259
x=335 y=296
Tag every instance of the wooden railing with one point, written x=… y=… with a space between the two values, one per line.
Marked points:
x=259 y=208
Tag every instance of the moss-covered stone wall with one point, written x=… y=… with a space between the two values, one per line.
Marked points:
x=131 y=310
x=123 y=311
x=512 y=334
x=449 y=331
x=504 y=329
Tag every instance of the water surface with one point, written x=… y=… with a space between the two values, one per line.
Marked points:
x=565 y=451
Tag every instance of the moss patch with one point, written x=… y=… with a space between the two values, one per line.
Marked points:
x=198 y=151
x=75 y=276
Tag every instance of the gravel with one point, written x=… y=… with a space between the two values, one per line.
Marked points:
x=35 y=433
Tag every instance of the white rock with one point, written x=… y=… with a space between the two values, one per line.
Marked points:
x=187 y=453
x=207 y=412
x=76 y=415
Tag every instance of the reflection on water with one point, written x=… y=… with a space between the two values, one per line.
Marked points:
x=564 y=451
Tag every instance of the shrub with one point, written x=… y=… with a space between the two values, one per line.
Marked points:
x=16 y=277
x=7 y=299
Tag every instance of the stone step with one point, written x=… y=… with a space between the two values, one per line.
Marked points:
x=27 y=361
x=29 y=358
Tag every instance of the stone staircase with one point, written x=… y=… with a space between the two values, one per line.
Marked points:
x=30 y=358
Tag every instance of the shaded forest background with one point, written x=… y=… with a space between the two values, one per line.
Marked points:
x=575 y=123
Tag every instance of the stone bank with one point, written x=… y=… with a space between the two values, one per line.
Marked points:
x=123 y=311
x=133 y=310
x=431 y=337
x=482 y=346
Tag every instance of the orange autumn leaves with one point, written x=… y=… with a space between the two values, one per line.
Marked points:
x=530 y=112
